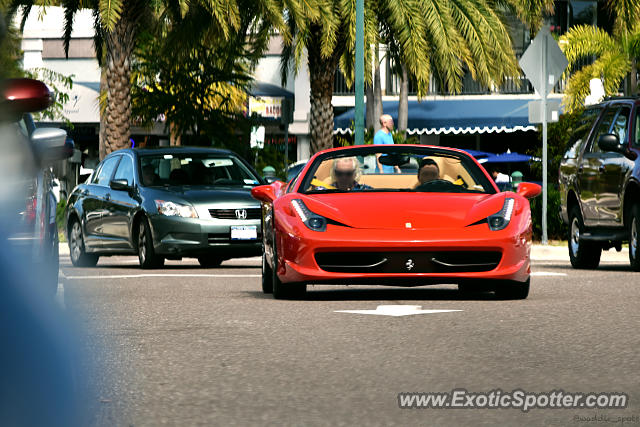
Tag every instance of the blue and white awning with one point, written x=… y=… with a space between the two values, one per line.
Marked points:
x=456 y=116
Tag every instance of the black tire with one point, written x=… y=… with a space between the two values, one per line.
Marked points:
x=582 y=254
x=77 y=253
x=284 y=290
x=210 y=261
x=267 y=275
x=146 y=252
x=513 y=290
x=634 y=236
x=475 y=287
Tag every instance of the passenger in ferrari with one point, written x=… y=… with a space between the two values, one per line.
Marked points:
x=345 y=174
x=428 y=170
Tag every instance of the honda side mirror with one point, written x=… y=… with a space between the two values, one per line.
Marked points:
x=120 y=185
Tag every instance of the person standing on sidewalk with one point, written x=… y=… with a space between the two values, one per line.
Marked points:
x=383 y=137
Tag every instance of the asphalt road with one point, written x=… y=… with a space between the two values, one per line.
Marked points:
x=190 y=346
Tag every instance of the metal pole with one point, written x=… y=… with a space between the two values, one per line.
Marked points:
x=359 y=70
x=544 y=142
x=286 y=150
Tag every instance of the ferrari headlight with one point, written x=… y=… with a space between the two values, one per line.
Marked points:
x=500 y=220
x=312 y=220
x=175 y=209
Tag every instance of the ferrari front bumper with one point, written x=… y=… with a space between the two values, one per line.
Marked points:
x=409 y=257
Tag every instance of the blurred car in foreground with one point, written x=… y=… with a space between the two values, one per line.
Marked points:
x=166 y=203
x=341 y=222
x=41 y=361
x=28 y=153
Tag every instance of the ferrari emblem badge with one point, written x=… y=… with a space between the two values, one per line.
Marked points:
x=409 y=264
x=407 y=224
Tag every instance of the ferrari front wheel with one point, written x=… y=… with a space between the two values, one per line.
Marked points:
x=267 y=275
x=284 y=290
x=510 y=289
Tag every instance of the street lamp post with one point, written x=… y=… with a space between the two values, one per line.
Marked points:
x=359 y=70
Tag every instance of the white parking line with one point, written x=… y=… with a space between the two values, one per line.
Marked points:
x=59 y=298
x=547 y=273
x=135 y=276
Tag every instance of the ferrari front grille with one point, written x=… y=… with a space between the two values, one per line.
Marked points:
x=408 y=262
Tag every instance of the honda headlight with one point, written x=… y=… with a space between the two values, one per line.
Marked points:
x=312 y=220
x=500 y=220
x=175 y=209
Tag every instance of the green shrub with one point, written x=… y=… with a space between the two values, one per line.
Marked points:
x=558 y=136
x=556 y=229
x=60 y=220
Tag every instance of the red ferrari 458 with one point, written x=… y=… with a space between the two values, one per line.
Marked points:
x=406 y=215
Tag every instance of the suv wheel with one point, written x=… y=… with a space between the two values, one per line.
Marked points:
x=634 y=230
x=582 y=254
x=146 y=253
x=77 y=252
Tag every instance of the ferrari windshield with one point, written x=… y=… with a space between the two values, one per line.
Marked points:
x=195 y=169
x=395 y=168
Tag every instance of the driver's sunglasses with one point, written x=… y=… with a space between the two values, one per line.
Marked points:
x=344 y=173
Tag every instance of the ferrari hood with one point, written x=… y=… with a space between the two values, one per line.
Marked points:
x=397 y=210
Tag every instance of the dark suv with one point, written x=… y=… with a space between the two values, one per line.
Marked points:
x=599 y=181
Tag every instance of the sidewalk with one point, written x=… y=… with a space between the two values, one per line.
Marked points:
x=538 y=253
x=561 y=253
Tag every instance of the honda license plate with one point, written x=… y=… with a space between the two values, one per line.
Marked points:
x=244 y=232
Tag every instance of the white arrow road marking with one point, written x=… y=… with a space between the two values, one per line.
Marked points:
x=547 y=273
x=395 y=310
x=134 y=276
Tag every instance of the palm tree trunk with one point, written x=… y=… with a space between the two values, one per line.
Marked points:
x=321 y=75
x=120 y=45
x=102 y=138
x=377 y=91
x=174 y=135
x=403 y=104
x=634 y=77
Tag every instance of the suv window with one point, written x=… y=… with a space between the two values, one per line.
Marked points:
x=603 y=128
x=106 y=170
x=636 y=141
x=621 y=124
x=581 y=133
x=125 y=170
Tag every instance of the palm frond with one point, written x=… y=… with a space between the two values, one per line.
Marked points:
x=584 y=41
x=611 y=67
x=110 y=11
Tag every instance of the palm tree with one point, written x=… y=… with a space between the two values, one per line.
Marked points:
x=117 y=25
x=615 y=55
x=439 y=37
x=530 y=12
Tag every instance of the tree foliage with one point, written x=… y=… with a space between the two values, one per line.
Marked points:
x=615 y=54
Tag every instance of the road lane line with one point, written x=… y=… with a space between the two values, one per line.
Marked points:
x=134 y=276
x=547 y=273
